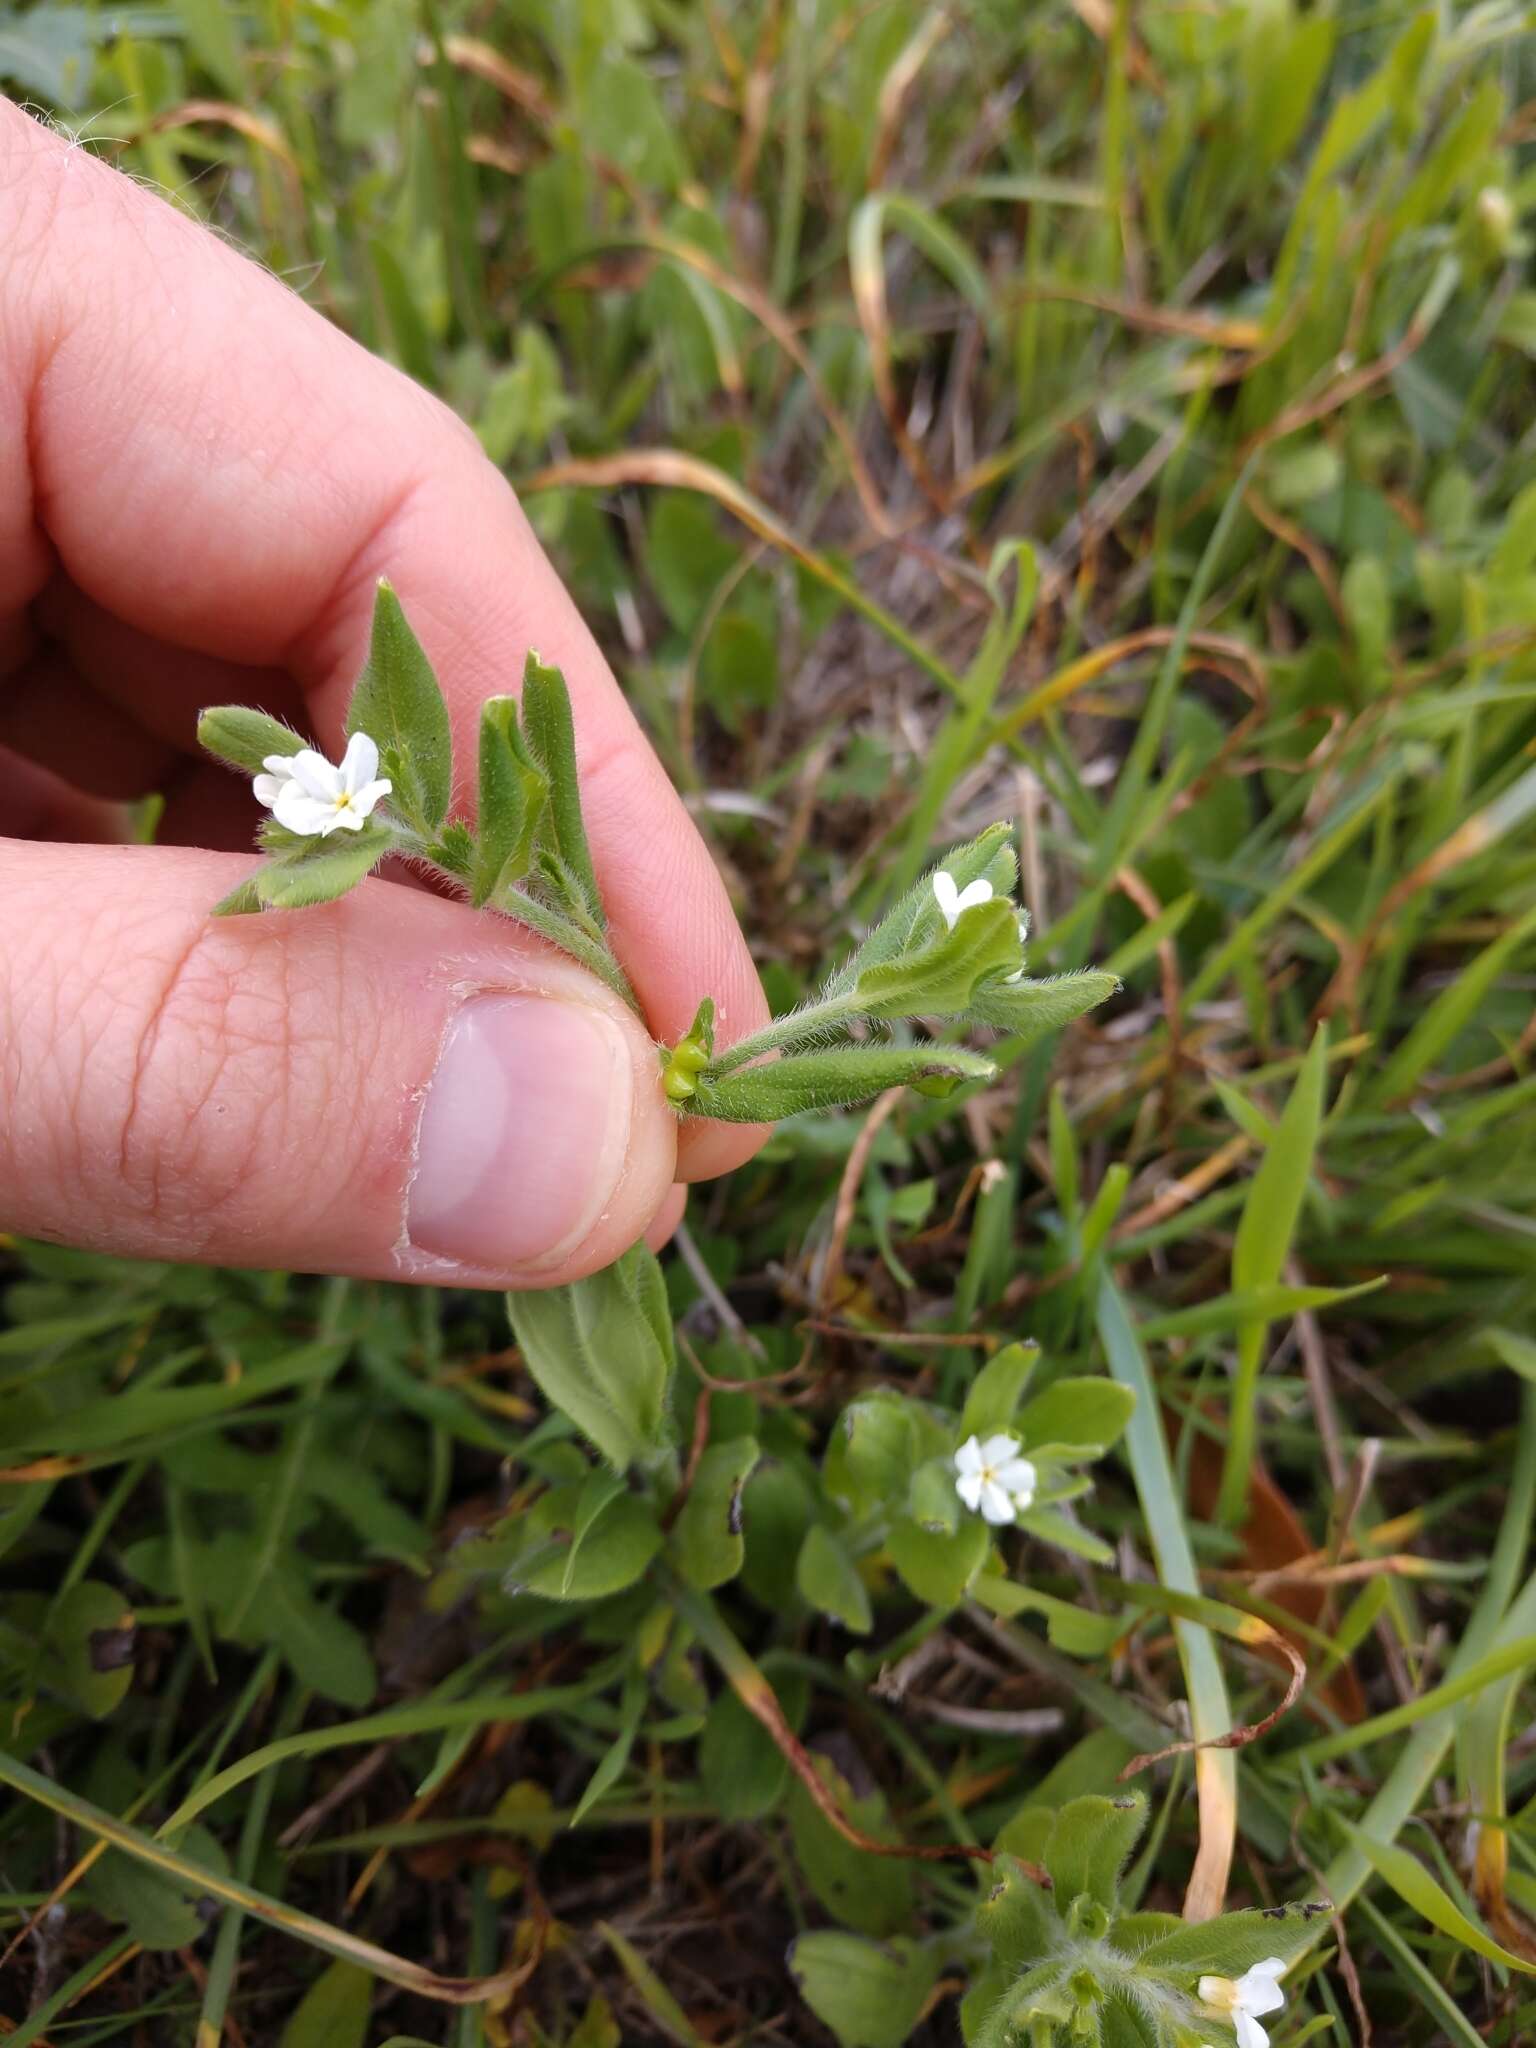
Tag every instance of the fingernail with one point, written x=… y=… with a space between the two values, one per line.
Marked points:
x=523 y=1134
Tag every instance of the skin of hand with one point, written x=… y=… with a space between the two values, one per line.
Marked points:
x=201 y=482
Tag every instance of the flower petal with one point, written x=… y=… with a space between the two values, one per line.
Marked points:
x=969 y=1486
x=370 y=794
x=979 y=891
x=315 y=775
x=968 y=1458
x=303 y=813
x=947 y=896
x=1017 y=1477
x=359 y=764
x=1249 y=2033
x=996 y=1506
x=266 y=788
x=997 y=1450
x=1219 y=1992
x=279 y=764
x=1258 y=1991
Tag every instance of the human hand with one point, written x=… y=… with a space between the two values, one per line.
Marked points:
x=201 y=482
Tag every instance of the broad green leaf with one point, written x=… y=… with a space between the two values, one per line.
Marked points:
x=1089 y=1845
x=993 y=1398
x=940 y=978
x=832 y=1080
x=586 y=1542
x=601 y=1351
x=1416 y=1887
x=87 y=1647
x=873 y=1894
x=244 y=738
x=320 y=872
x=325 y=1650
x=513 y=795
x=829 y=1581
x=1017 y=1919
x=874 y=1451
x=1052 y=1526
x=1233 y=1942
x=707 y=1536
x=1030 y=1009
x=1085 y=1414
x=155 y=1909
x=333 y=2013
x=939 y=1568
x=398 y=704
x=870 y=1994
x=551 y=736
x=933 y=1502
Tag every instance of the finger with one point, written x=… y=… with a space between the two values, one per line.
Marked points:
x=668 y=1217
x=388 y=1086
x=214 y=464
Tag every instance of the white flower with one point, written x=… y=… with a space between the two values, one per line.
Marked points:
x=309 y=795
x=1238 y=2000
x=952 y=900
x=993 y=1480
x=1018 y=972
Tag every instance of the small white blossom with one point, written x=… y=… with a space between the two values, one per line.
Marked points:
x=993 y=1479
x=952 y=900
x=1018 y=972
x=1241 y=1999
x=313 y=797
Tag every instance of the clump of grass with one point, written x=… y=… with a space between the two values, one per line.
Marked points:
x=1115 y=420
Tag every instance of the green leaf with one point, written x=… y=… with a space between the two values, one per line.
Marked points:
x=1259 y=1252
x=916 y=918
x=1016 y=1919
x=1232 y=1943
x=325 y=1650
x=551 y=734
x=320 y=871
x=871 y=1995
x=611 y=1764
x=828 y=1580
x=1427 y=1896
x=939 y=1568
x=1089 y=1846
x=993 y=1398
x=1078 y=1414
x=873 y=1894
x=513 y=794
x=244 y=738
x=333 y=2013
x=874 y=1451
x=398 y=704
x=743 y=1769
x=1052 y=1526
x=155 y=1909
x=933 y=1501
x=940 y=978
x=707 y=1537
x=1031 y=1009
x=601 y=1351
x=87 y=1647
x=832 y=1080
x=603 y=1538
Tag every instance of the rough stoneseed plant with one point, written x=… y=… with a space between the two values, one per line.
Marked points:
x=1110 y=418
x=909 y=1483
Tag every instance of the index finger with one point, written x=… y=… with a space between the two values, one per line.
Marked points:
x=217 y=465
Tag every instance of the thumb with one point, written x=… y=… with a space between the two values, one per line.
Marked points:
x=389 y=1086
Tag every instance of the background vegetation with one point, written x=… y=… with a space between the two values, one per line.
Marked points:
x=1116 y=419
